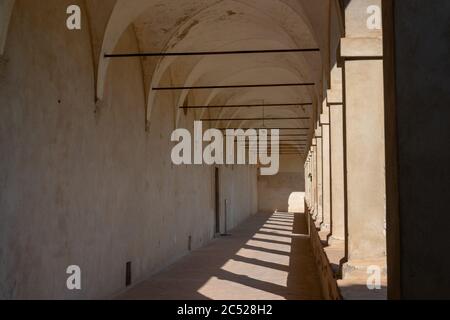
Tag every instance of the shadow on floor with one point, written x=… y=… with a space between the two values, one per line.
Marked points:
x=360 y=292
x=267 y=257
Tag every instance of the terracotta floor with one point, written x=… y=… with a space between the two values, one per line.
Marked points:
x=267 y=257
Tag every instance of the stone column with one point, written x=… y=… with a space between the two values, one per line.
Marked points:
x=335 y=102
x=417 y=77
x=311 y=173
x=306 y=170
x=365 y=143
x=319 y=178
x=314 y=182
x=308 y=179
x=326 y=173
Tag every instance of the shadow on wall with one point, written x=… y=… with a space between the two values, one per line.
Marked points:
x=284 y=192
x=296 y=202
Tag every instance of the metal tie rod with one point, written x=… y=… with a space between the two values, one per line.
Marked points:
x=256 y=119
x=249 y=106
x=269 y=85
x=283 y=135
x=207 y=53
x=280 y=145
x=264 y=128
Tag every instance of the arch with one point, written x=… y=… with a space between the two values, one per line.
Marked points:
x=6 y=9
x=125 y=12
x=194 y=74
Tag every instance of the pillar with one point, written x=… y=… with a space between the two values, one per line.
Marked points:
x=319 y=178
x=306 y=170
x=417 y=76
x=311 y=177
x=335 y=103
x=308 y=178
x=364 y=125
x=314 y=178
x=326 y=169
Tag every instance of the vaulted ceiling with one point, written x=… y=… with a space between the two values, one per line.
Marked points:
x=224 y=25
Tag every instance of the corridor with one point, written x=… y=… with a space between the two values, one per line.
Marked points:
x=155 y=149
x=267 y=257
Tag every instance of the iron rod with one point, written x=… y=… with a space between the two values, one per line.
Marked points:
x=207 y=53
x=249 y=106
x=259 y=119
x=272 y=85
x=261 y=128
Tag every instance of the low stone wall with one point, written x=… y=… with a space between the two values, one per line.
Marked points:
x=328 y=280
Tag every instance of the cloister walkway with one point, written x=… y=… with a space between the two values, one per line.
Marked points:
x=268 y=257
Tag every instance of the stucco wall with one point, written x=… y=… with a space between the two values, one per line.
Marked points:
x=284 y=191
x=94 y=190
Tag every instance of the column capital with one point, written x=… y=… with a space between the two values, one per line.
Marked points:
x=318 y=132
x=335 y=97
x=361 y=48
x=324 y=119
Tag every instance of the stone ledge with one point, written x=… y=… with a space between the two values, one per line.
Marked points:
x=361 y=47
x=335 y=97
x=359 y=267
x=327 y=274
x=318 y=132
x=324 y=119
x=353 y=285
x=348 y=282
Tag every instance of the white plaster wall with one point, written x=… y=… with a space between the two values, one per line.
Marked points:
x=235 y=179
x=92 y=190
x=285 y=191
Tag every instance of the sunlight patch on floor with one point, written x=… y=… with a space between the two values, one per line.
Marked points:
x=260 y=236
x=264 y=256
x=271 y=246
x=260 y=273
x=219 y=289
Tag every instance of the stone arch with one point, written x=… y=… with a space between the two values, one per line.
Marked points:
x=194 y=76
x=125 y=13
x=6 y=9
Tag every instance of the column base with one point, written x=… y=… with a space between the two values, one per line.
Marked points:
x=336 y=238
x=318 y=224
x=359 y=268
x=355 y=279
